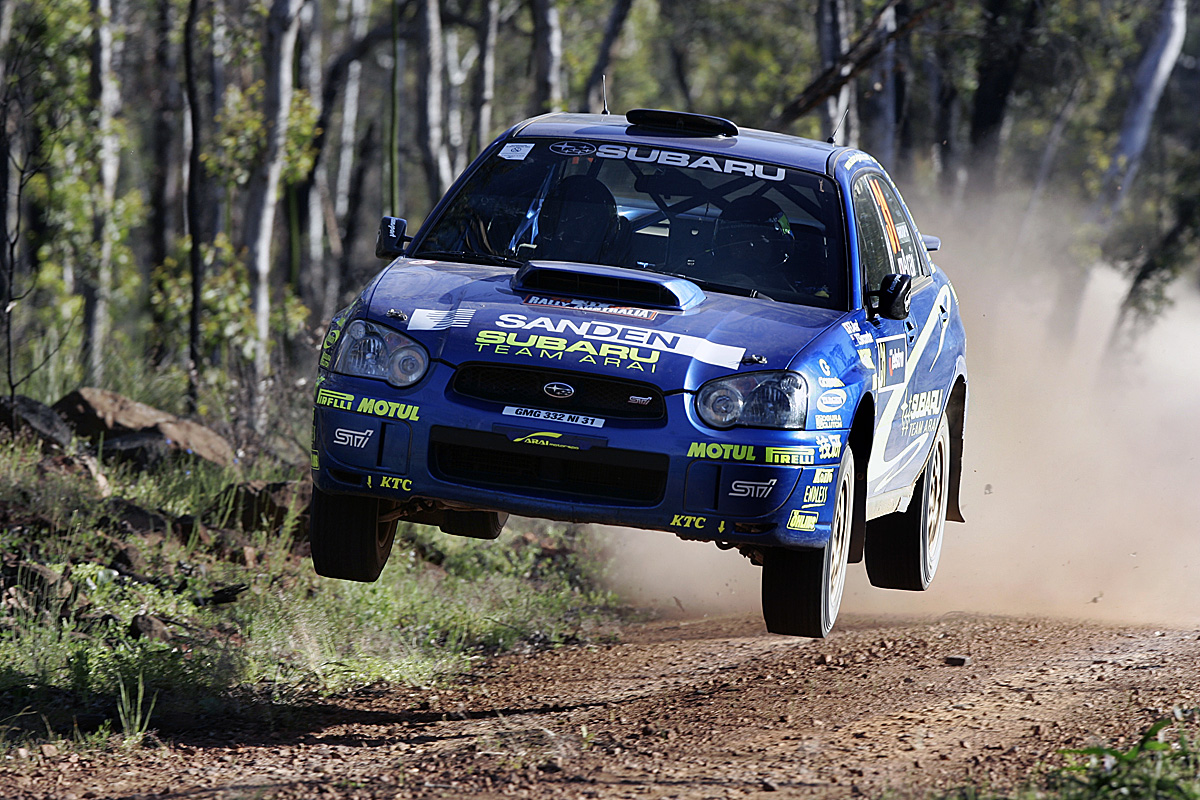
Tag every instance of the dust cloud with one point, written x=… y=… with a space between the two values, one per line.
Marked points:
x=1081 y=481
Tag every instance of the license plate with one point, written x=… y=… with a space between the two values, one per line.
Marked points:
x=554 y=416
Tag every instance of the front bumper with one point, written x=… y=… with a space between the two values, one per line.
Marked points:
x=743 y=486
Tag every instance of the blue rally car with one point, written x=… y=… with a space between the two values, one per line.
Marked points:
x=658 y=321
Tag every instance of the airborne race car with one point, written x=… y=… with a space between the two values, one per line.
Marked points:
x=658 y=321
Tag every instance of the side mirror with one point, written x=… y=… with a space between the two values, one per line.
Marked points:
x=931 y=242
x=894 y=296
x=390 y=241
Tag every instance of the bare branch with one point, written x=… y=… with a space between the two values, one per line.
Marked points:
x=862 y=52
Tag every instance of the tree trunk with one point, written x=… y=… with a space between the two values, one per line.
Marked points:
x=883 y=98
x=901 y=85
x=10 y=198
x=368 y=155
x=8 y=191
x=457 y=69
x=399 y=58
x=356 y=23
x=195 y=199
x=862 y=53
x=262 y=190
x=593 y=99
x=1049 y=154
x=1001 y=52
x=354 y=13
x=486 y=85
x=165 y=179
x=97 y=283
x=1156 y=67
x=216 y=209
x=432 y=132
x=676 y=12
x=835 y=21
x=312 y=268
x=547 y=56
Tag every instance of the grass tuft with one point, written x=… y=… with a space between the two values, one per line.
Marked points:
x=134 y=714
x=1154 y=767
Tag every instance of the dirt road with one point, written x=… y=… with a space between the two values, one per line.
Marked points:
x=700 y=709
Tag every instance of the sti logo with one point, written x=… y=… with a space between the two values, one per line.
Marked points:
x=752 y=488
x=349 y=438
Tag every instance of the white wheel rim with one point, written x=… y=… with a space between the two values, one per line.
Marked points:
x=839 y=544
x=935 y=506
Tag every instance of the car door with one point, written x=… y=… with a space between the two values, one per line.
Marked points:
x=908 y=390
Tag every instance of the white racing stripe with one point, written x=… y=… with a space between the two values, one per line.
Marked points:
x=880 y=468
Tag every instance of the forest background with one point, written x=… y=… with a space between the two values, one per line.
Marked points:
x=191 y=186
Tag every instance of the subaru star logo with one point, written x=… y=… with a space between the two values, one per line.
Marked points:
x=573 y=148
x=559 y=390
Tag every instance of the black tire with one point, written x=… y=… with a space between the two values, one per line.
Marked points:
x=348 y=540
x=475 y=524
x=802 y=589
x=903 y=549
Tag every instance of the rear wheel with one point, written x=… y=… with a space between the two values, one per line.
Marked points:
x=476 y=524
x=802 y=589
x=348 y=540
x=903 y=549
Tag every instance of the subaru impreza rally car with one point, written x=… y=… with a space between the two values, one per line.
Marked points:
x=659 y=321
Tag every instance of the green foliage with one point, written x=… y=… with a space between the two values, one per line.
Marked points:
x=1151 y=768
x=1078 y=42
x=441 y=604
x=50 y=118
x=227 y=327
x=51 y=91
x=420 y=623
x=241 y=136
x=65 y=503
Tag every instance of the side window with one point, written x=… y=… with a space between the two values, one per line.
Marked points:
x=885 y=242
x=872 y=241
x=910 y=247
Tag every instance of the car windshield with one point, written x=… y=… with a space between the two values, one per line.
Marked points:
x=729 y=225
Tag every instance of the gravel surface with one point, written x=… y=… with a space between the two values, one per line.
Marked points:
x=711 y=708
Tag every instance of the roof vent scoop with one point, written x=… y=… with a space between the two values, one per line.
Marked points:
x=681 y=122
x=572 y=282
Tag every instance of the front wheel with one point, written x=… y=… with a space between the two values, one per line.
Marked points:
x=903 y=549
x=802 y=589
x=347 y=538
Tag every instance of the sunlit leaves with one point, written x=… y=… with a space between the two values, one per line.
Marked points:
x=227 y=322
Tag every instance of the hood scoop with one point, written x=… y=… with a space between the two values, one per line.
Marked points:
x=607 y=284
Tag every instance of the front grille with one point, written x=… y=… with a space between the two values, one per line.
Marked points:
x=612 y=398
x=474 y=458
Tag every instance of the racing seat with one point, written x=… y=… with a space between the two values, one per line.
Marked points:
x=579 y=222
x=753 y=244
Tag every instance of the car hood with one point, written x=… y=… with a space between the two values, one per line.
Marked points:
x=464 y=313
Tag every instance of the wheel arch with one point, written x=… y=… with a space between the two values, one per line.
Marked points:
x=860 y=440
x=956 y=417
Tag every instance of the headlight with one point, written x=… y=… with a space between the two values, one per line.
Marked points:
x=757 y=400
x=368 y=350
